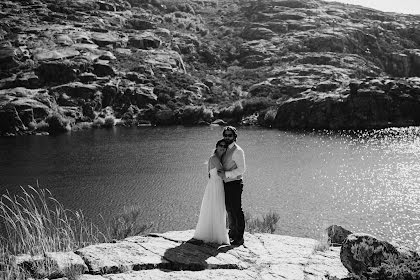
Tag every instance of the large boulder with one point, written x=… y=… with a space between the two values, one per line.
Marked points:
x=110 y=92
x=46 y=54
x=108 y=38
x=145 y=41
x=25 y=79
x=8 y=58
x=361 y=251
x=256 y=33
x=38 y=100
x=103 y=69
x=144 y=95
x=61 y=71
x=77 y=94
x=140 y=24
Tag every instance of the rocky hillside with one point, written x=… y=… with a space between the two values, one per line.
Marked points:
x=289 y=64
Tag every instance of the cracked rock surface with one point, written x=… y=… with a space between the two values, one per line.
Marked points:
x=169 y=256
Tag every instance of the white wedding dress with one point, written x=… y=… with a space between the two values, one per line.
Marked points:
x=211 y=226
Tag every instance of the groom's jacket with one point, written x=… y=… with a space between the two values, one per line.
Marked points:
x=234 y=163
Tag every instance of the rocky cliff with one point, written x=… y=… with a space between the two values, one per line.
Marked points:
x=67 y=65
x=170 y=256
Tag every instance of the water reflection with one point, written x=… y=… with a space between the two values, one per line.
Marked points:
x=363 y=180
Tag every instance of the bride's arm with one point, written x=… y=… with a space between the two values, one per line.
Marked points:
x=212 y=164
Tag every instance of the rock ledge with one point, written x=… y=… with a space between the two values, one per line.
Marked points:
x=170 y=256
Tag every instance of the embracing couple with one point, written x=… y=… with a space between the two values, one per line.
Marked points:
x=223 y=194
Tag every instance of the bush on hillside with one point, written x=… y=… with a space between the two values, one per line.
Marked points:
x=235 y=112
x=256 y=104
x=98 y=122
x=172 y=83
x=57 y=123
x=407 y=269
x=267 y=117
x=41 y=126
x=109 y=122
x=194 y=114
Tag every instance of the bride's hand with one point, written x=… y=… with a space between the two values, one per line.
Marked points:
x=221 y=173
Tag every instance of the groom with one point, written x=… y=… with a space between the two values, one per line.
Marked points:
x=233 y=168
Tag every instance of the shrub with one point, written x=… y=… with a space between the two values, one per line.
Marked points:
x=168 y=18
x=109 y=122
x=267 y=224
x=393 y=269
x=57 y=123
x=204 y=32
x=256 y=104
x=164 y=98
x=192 y=114
x=126 y=224
x=267 y=117
x=207 y=115
x=32 y=126
x=181 y=25
x=179 y=14
x=235 y=111
x=82 y=125
x=323 y=242
x=98 y=122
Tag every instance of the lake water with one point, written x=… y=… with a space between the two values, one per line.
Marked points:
x=364 y=181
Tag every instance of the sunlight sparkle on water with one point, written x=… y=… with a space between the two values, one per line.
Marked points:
x=389 y=182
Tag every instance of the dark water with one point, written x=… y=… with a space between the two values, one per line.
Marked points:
x=364 y=181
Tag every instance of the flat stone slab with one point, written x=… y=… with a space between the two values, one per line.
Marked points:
x=169 y=256
x=225 y=274
x=119 y=257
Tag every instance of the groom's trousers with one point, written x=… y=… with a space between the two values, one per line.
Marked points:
x=233 y=201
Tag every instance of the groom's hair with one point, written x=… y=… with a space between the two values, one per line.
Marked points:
x=232 y=129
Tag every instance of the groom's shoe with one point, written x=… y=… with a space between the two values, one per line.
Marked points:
x=237 y=242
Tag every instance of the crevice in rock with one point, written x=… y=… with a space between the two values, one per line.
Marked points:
x=263 y=244
x=164 y=237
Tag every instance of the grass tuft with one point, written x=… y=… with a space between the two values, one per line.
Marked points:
x=267 y=224
x=323 y=244
x=34 y=223
x=126 y=224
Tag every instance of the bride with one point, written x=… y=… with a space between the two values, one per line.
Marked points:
x=211 y=226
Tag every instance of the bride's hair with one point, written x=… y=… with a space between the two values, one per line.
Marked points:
x=218 y=143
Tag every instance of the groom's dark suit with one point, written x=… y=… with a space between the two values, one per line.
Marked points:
x=234 y=165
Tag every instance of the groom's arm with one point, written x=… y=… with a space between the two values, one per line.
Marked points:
x=239 y=158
